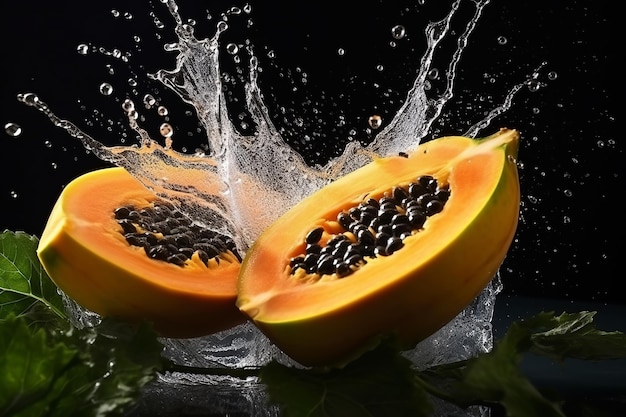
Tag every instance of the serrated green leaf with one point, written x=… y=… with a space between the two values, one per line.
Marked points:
x=573 y=335
x=380 y=383
x=25 y=288
x=30 y=367
x=496 y=378
x=79 y=372
x=116 y=362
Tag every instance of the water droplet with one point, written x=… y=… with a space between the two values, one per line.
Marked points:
x=380 y=67
x=13 y=194
x=162 y=111
x=149 y=100
x=341 y=52
x=166 y=130
x=128 y=16
x=398 y=32
x=128 y=105
x=375 y=121
x=534 y=85
x=54 y=165
x=158 y=23
x=82 y=49
x=132 y=82
x=232 y=48
x=568 y=193
x=115 y=13
x=12 y=129
x=48 y=144
x=106 y=89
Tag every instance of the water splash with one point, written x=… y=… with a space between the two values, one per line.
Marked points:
x=217 y=189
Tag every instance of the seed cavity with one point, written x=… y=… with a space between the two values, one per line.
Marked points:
x=167 y=234
x=373 y=228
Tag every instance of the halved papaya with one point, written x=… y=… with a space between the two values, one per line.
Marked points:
x=322 y=314
x=119 y=250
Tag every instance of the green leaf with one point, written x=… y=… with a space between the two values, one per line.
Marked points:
x=496 y=378
x=380 y=383
x=25 y=288
x=30 y=367
x=574 y=336
x=89 y=372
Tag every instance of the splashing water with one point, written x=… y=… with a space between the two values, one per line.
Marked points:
x=215 y=188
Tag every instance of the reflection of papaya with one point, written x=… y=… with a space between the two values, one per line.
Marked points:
x=117 y=249
x=322 y=301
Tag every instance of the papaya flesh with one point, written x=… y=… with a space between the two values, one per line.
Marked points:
x=326 y=319
x=85 y=250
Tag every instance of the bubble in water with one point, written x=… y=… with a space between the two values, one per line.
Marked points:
x=552 y=75
x=82 y=49
x=166 y=130
x=106 y=89
x=162 y=111
x=12 y=129
x=13 y=194
x=380 y=67
x=48 y=144
x=502 y=40
x=375 y=121
x=115 y=13
x=341 y=52
x=398 y=32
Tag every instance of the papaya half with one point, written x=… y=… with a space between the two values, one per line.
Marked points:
x=119 y=250
x=454 y=205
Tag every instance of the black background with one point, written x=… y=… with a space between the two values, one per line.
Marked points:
x=570 y=157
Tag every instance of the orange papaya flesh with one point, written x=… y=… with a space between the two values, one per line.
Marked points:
x=85 y=251
x=323 y=320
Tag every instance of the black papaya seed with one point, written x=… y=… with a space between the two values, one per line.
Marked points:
x=314 y=235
